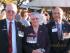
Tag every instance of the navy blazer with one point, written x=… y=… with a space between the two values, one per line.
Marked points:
x=58 y=46
x=4 y=37
x=65 y=29
x=42 y=39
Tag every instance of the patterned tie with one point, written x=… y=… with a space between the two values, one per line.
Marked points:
x=10 y=38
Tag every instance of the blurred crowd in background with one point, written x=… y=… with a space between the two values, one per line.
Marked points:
x=25 y=12
x=39 y=31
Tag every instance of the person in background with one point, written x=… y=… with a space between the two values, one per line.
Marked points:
x=36 y=37
x=59 y=30
x=47 y=17
x=24 y=18
x=3 y=12
x=18 y=15
x=10 y=32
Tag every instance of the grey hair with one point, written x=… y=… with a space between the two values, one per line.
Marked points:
x=39 y=16
x=11 y=6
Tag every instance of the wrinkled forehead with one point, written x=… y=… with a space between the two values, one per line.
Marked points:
x=11 y=7
x=57 y=10
x=34 y=15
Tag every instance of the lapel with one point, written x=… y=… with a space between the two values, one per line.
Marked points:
x=39 y=33
x=17 y=26
x=4 y=35
x=53 y=24
x=18 y=39
x=65 y=27
x=16 y=31
x=31 y=31
x=4 y=25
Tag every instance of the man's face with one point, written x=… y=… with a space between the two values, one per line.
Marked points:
x=11 y=10
x=57 y=14
x=10 y=14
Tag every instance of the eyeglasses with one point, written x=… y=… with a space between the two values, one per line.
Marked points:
x=10 y=11
x=34 y=18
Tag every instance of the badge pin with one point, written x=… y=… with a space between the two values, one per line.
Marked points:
x=21 y=34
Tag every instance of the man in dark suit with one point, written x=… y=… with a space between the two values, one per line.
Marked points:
x=58 y=29
x=36 y=37
x=10 y=32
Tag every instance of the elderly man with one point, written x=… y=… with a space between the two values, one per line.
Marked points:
x=10 y=33
x=59 y=29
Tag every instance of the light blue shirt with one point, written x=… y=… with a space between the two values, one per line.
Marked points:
x=14 y=49
x=25 y=22
x=59 y=27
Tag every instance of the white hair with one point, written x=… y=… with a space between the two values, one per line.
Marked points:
x=39 y=16
x=11 y=6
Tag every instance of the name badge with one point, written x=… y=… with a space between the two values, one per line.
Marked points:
x=54 y=30
x=31 y=39
x=21 y=34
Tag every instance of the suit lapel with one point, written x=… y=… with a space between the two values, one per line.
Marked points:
x=16 y=34
x=4 y=36
x=18 y=39
x=4 y=27
x=4 y=24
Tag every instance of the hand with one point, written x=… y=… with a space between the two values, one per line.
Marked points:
x=36 y=51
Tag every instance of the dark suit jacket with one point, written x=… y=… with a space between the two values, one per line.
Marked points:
x=4 y=37
x=58 y=46
x=42 y=41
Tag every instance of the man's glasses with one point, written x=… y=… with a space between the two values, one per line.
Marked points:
x=34 y=18
x=10 y=11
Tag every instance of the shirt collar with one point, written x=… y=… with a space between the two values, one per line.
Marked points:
x=10 y=21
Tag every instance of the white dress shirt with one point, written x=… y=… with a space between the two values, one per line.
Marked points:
x=14 y=49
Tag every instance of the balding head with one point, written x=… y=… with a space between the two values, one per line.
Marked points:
x=12 y=7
